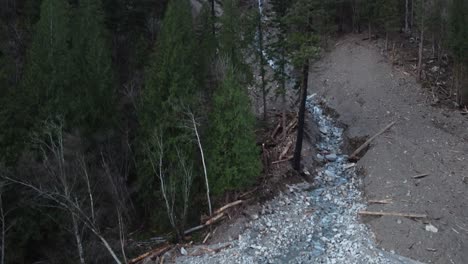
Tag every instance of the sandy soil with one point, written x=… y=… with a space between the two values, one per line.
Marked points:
x=368 y=93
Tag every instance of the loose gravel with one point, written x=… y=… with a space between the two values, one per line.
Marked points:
x=308 y=223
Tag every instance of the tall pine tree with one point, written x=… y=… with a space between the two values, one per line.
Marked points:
x=235 y=35
x=304 y=20
x=46 y=77
x=170 y=90
x=47 y=73
x=93 y=81
x=277 y=49
x=459 y=47
x=388 y=17
x=233 y=157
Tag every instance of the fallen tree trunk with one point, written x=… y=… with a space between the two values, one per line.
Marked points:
x=153 y=253
x=409 y=215
x=218 y=214
x=363 y=146
x=227 y=206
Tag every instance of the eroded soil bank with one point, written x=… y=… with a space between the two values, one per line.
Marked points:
x=368 y=93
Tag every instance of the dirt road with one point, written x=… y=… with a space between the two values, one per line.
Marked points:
x=368 y=93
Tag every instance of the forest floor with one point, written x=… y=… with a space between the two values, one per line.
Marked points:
x=318 y=223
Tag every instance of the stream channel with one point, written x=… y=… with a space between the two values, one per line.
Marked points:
x=315 y=223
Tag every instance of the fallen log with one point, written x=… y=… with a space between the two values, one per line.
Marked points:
x=291 y=125
x=209 y=250
x=273 y=135
x=409 y=215
x=363 y=146
x=193 y=229
x=214 y=219
x=227 y=206
x=153 y=253
x=209 y=222
x=285 y=150
x=218 y=214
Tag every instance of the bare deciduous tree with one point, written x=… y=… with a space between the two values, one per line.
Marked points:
x=200 y=147
x=60 y=186
x=169 y=188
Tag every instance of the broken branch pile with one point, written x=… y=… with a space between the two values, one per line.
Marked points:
x=278 y=146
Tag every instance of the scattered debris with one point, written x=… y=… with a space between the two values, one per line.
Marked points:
x=304 y=225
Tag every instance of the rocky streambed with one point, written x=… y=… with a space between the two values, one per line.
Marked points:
x=308 y=223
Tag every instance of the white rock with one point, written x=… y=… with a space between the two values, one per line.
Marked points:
x=331 y=157
x=431 y=228
x=183 y=251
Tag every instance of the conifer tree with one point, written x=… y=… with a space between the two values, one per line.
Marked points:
x=436 y=24
x=42 y=90
x=92 y=68
x=47 y=72
x=277 y=49
x=368 y=8
x=421 y=16
x=388 y=17
x=170 y=89
x=235 y=35
x=261 y=56
x=459 y=47
x=233 y=157
x=303 y=45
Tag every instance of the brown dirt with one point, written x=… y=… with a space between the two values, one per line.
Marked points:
x=368 y=93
